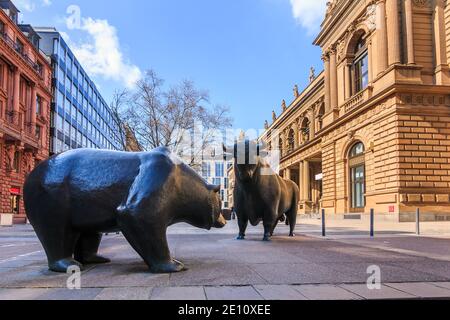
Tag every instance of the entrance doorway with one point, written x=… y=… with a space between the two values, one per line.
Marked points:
x=357 y=173
x=19 y=217
x=316 y=186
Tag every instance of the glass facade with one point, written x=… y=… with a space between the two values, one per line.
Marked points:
x=218 y=176
x=80 y=116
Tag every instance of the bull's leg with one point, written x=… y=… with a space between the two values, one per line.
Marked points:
x=292 y=217
x=150 y=242
x=274 y=227
x=267 y=231
x=243 y=223
x=87 y=249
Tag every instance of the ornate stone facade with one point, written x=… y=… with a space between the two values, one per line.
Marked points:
x=25 y=97
x=372 y=130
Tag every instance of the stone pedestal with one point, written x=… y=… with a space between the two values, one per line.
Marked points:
x=6 y=220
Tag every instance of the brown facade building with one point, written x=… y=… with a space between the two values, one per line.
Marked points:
x=25 y=97
x=373 y=129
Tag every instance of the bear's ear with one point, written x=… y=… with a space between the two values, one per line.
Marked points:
x=215 y=188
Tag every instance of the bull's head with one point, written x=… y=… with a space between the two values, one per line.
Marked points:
x=247 y=158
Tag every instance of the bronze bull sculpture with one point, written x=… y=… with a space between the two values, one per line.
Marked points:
x=261 y=195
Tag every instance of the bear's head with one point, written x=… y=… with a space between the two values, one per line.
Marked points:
x=201 y=205
x=217 y=217
x=207 y=214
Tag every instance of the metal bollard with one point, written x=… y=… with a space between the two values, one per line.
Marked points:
x=418 y=222
x=372 y=223
x=324 y=233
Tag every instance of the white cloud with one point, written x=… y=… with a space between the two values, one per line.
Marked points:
x=309 y=13
x=101 y=54
x=30 y=5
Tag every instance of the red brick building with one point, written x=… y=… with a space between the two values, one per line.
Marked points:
x=25 y=97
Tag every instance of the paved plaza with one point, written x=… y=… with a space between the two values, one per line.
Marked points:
x=308 y=267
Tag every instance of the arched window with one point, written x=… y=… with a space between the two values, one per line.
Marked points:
x=280 y=145
x=360 y=68
x=305 y=130
x=357 y=167
x=291 y=140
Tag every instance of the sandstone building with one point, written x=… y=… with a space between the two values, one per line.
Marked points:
x=372 y=130
x=25 y=98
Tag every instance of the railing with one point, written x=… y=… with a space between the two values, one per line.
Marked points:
x=24 y=56
x=354 y=101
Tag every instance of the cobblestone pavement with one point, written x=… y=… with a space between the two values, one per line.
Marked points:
x=220 y=267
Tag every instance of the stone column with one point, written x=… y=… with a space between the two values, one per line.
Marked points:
x=16 y=99
x=297 y=135
x=393 y=31
x=382 y=37
x=287 y=174
x=312 y=128
x=371 y=64
x=347 y=80
x=33 y=108
x=333 y=80
x=409 y=31
x=306 y=182
x=300 y=180
x=440 y=43
x=326 y=62
x=5 y=77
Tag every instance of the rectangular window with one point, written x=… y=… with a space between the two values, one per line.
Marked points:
x=67 y=127
x=358 y=186
x=62 y=54
x=67 y=106
x=219 y=169
x=361 y=73
x=80 y=118
x=73 y=135
x=38 y=105
x=38 y=132
x=206 y=170
x=68 y=84
x=19 y=46
x=69 y=64
x=59 y=123
x=61 y=75
x=74 y=112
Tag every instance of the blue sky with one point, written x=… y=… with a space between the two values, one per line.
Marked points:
x=248 y=53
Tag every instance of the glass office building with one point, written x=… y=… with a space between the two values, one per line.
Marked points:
x=80 y=116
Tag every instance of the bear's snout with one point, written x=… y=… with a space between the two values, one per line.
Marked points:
x=220 y=222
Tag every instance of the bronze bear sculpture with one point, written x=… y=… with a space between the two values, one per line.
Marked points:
x=74 y=197
x=261 y=195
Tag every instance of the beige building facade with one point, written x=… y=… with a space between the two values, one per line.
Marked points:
x=373 y=129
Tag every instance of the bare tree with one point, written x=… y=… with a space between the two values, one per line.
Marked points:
x=180 y=118
x=119 y=108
